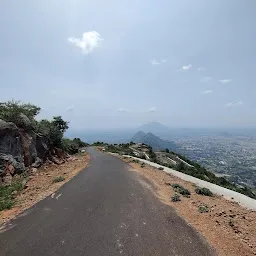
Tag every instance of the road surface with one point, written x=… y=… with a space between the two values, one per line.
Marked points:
x=105 y=210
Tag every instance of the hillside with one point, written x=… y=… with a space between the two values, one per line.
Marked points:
x=177 y=162
x=155 y=128
x=26 y=144
x=154 y=141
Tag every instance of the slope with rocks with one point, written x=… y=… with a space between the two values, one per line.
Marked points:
x=20 y=149
x=26 y=143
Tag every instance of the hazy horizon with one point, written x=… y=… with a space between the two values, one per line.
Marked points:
x=105 y=65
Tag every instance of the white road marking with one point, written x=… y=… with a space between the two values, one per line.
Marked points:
x=58 y=196
x=123 y=225
x=120 y=246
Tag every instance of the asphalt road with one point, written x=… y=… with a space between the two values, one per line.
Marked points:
x=104 y=210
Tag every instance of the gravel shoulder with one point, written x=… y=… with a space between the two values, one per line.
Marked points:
x=41 y=184
x=234 y=196
x=227 y=226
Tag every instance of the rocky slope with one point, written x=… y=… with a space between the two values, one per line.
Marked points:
x=22 y=148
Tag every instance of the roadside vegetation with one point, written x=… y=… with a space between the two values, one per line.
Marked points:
x=23 y=115
x=122 y=149
x=175 y=198
x=8 y=193
x=58 y=179
x=181 y=190
x=203 y=191
x=201 y=173
x=192 y=168
x=203 y=208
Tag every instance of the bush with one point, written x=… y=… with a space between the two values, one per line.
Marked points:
x=58 y=179
x=72 y=146
x=181 y=190
x=142 y=165
x=203 y=208
x=53 y=130
x=204 y=191
x=160 y=168
x=231 y=223
x=7 y=194
x=175 y=198
x=98 y=143
x=11 y=111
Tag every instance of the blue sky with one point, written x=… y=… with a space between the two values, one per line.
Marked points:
x=118 y=64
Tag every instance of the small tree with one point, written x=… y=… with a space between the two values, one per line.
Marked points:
x=79 y=142
x=54 y=130
x=60 y=123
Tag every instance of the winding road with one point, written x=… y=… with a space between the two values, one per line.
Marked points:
x=105 y=210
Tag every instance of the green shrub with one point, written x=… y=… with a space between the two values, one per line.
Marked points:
x=203 y=191
x=181 y=190
x=7 y=193
x=231 y=223
x=53 y=130
x=58 y=179
x=175 y=198
x=203 y=208
x=72 y=146
x=11 y=111
x=160 y=168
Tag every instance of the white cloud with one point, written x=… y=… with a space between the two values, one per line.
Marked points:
x=89 y=41
x=225 y=81
x=206 y=79
x=70 y=108
x=123 y=110
x=155 y=62
x=201 y=69
x=189 y=66
x=152 y=109
x=207 y=92
x=235 y=103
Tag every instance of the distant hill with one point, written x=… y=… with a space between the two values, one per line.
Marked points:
x=155 y=128
x=152 y=140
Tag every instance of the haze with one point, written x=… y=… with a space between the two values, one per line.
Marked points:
x=119 y=64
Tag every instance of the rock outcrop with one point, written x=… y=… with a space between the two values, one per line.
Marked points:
x=21 y=148
x=11 y=155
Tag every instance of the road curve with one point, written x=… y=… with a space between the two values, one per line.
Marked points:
x=104 y=210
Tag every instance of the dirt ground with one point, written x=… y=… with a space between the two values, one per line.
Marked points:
x=40 y=184
x=228 y=227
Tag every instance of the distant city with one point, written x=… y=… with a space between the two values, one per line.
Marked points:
x=226 y=152
x=231 y=156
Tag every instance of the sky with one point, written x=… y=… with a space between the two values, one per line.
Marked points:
x=119 y=64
